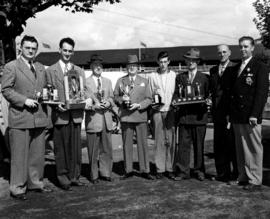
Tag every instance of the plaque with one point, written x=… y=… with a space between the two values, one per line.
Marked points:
x=74 y=90
x=189 y=94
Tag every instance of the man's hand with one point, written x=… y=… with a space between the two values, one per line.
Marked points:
x=105 y=104
x=135 y=106
x=61 y=108
x=31 y=103
x=253 y=121
x=208 y=102
x=88 y=103
x=126 y=98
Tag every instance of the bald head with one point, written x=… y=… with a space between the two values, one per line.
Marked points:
x=224 y=53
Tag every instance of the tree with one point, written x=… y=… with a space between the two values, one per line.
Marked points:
x=14 y=14
x=262 y=21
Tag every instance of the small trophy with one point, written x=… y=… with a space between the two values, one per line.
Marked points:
x=180 y=86
x=100 y=95
x=157 y=98
x=189 y=91
x=198 y=91
x=126 y=92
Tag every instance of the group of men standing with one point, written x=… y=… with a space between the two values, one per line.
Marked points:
x=238 y=94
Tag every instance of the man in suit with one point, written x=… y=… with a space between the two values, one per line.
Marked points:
x=162 y=83
x=248 y=97
x=67 y=123
x=133 y=96
x=224 y=146
x=98 y=122
x=192 y=118
x=22 y=83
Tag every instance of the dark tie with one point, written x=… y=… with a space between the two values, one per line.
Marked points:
x=99 y=84
x=32 y=68
x=131 y=83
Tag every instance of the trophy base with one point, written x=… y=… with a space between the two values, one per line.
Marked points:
x=186 y=102
x=73 y=106
x=49 y=102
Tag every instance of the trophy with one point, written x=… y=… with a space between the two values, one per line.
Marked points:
x=100 y=95
x=157 y=97
x=126 y=93
x=189 y=93
x=180 y=93
x=198 y=91
x=50 y=95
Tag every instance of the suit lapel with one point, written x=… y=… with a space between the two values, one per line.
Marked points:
x=26 y=70
x=59 y=72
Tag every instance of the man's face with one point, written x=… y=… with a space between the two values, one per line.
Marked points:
x=97 y=69
x=191 y=63
x=132 y=69
x=66 y=52
x=224 y=53
x=164 y=64
x=29 y=50
x=246 y=49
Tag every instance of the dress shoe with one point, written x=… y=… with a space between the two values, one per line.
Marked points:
x=77 y=183
x=147 y=176
x=170 y=176
x=200 y=176
x=127 y=175
x=66 y=187
x=159 y=176
x=106 y=178
x=42 y=190
x=242 y=183
x=252 y=187
x=21 y=196
x=181 y=176
x=95 y=181
x=222 y=178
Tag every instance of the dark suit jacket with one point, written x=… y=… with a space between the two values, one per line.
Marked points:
x=94 y=118
x=18 y=84
x=249 y=92
x=193 y=114
x=55 y=76
x=219 y=89
x=139 y=94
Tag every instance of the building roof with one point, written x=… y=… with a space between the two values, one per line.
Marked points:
x=117 y=57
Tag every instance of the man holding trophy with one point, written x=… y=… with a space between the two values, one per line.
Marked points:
x=133 y=96
x=192 y=116
x=67 y=122
x=99 y=123
x=162 y=83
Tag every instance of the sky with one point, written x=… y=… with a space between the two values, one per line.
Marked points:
x=157 y=23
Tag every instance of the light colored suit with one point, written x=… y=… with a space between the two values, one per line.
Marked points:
x=98 y=126
x=26 y=125
x=134 y=120
x=67 y=130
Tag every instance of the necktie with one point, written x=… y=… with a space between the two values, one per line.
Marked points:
x=221 y=71
x=98 y=84
x=241 y=68
x=132 y=83
x=32 y=69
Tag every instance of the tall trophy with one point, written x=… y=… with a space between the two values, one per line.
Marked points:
x=198 y=91
x=157 y=97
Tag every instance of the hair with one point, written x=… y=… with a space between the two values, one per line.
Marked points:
x=249 y=38
x=163 y=54
x=67 y=40
x=29 y=39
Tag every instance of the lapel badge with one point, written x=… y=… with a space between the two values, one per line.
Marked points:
x=249 y=81
x=248 y=69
